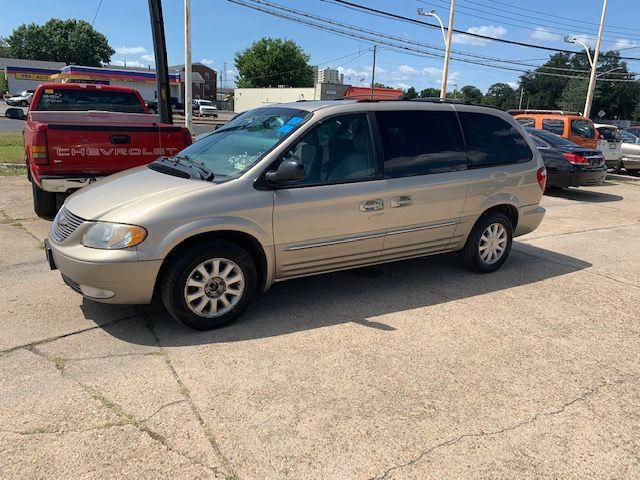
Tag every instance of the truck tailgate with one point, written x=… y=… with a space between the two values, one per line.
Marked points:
x=104 y=149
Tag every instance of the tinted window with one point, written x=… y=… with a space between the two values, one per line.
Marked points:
x=420 y=142
x=339 y=149
x=492 y=141
x=582 y=128
x=527 y=122
x=553 y=125
x=610 y=134
x=54 y=99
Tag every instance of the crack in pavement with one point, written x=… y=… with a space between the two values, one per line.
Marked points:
x=68 y=334
x=15 y=222
x=185 y=393
x=581 y=398
x=127 y=418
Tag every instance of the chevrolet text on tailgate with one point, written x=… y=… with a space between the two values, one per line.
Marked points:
x=76 y=134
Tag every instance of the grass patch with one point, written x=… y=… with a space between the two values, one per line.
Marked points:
x=13 y=172
x=11 y=148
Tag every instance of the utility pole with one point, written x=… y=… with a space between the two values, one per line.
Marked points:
x=188 y=105
x=160 y=53
x=594 y=66
x=373 y=71
x=445 y=71
x=224 y=74
x=521 y=94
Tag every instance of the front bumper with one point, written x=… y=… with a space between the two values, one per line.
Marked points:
x=121 y=282
x=58 y=184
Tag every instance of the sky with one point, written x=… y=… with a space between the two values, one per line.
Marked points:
x=221 y=28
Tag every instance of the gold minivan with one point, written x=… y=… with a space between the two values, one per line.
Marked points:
x=298 y=189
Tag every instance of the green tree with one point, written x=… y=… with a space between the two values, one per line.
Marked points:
x=4 y=48
x=380 y=85
x=430 y=93
x=574 y=95
x=636 y=112
x=542 y=86
x=471 y=93
x=272 y=62
x=69 y=41
x=410 y=93
x=3 y=83
x=501 y=95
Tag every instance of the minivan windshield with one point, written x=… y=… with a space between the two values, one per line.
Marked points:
x=238 y=145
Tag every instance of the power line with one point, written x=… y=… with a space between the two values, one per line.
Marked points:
x=378 y=41
x=96 y=14
x=377 y=12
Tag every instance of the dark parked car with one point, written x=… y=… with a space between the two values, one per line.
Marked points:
x=176 y=106
x=568 y=164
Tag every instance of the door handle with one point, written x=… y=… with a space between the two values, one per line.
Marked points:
x=120 y=139
x=401 y=201
x=372 y=205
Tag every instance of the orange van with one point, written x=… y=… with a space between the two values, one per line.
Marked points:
x=570 y=125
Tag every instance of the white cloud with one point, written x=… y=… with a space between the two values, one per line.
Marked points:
x=513 y=85
x=623 y=43
x=432 y=71
x=407 y=70
x=207 y=61
x=495 y=31
x=148 y=58
x=130 y=63
x=541 y=33
x=379 y=70
x=130 y=50
x=356 y=75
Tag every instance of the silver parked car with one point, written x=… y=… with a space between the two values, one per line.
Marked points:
x=630 y=153
x=298 y=189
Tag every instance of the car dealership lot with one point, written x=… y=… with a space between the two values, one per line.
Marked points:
x=412 y=370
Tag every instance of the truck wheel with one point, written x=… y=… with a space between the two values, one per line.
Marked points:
x=44 y=203
x=489 y=243
x=209 y=285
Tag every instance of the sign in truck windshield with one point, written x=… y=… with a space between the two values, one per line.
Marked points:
x=83 y=100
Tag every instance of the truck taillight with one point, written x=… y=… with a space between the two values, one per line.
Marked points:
x=187 y=140
x=541 y=175
x=575 y=159
x=39 y=147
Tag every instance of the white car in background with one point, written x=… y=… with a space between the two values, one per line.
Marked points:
x=610 y=144
x=205 y=108
x=23 y=99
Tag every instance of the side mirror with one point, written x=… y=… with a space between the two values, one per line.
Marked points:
x=15 y=113
x=289 y=170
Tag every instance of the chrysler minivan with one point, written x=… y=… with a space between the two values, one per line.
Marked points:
x=298 y=189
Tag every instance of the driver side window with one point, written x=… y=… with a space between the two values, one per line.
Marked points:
x=339 y=149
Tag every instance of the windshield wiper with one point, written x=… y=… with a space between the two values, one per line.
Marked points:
x=205 y=173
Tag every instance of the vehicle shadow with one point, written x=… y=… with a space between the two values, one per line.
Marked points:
x=358 y=296
x=583 y=195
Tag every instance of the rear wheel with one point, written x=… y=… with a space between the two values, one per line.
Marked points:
x=489 y=243
x=209 y=285
x=44 y=203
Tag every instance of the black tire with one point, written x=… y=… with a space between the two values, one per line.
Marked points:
x=471 y=251
x=633 y=172
x=44 y=203
x=177 y=273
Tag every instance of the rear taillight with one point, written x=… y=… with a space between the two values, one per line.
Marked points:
x=541 y=175
x=576 y=159
x=186 y=137
x=39 y=147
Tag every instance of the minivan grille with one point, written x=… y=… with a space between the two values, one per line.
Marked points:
x=65 y=224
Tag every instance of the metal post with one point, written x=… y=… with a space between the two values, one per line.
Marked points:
x=445 y=70
x=521 y=93
x=188 y=106
x=160 y=51
x=373 y=71
x=592 y=79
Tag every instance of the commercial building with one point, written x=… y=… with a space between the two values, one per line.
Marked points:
x=329 y=75
x=204 y=80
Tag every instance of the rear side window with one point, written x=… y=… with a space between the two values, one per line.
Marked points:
x=582 y=128
x=420 y=143
x=553 y=125
x=492 y=141
x=527 y=122
x=81 y=100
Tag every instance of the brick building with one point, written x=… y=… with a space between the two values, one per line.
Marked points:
x=204 y=82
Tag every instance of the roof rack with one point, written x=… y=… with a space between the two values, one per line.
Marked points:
x=443 y=100
x=556 y=112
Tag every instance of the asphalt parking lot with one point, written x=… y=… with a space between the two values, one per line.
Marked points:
x=417 y=369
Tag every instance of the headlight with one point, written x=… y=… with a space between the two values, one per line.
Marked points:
x=113 y=236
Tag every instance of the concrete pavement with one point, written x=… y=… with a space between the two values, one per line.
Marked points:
x=417 y=369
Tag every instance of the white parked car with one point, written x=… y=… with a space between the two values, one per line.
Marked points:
x=610 y=144
x=23 y=99
x=205 y=108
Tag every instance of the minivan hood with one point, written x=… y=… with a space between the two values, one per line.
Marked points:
x=118 y=197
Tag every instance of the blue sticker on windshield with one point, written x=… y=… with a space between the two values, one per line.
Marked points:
x=290 y=125
x=294 y=120
x=285 y=128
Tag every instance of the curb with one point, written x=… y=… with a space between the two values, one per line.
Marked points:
x=13 y=165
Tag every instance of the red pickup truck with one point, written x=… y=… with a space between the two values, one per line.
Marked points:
x=77 y=133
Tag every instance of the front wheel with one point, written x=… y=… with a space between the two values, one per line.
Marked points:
x=209 y=285
x=489 y=243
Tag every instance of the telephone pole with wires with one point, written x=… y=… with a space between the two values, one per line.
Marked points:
x=373 y=70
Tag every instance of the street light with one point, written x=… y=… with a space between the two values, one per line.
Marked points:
x=447 y=42
x=593 y=61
